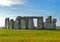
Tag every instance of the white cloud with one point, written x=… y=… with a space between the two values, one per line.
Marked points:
x=2 y=22
x=47 y=12
x=11 y=2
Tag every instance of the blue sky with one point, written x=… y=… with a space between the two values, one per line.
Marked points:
x=13 y=8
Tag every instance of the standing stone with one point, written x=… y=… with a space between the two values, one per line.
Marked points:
x=40 y=23
x=26 y=22
x=11 y=24
x=17 y=24
x=48 y=22
x=7 y=23
x=23 y=23
x=54 y=24
x=43 y=25
x=30 y=23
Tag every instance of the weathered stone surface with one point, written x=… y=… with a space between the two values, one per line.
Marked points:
x=27 y=22
x=40 y=23
x=7 y=23
x=11 y=24
x=43 y=25
x=30 y=23
x=48 y=22
x=23 y=23
x=17 y=24
x=54 y=24
x=48 y=26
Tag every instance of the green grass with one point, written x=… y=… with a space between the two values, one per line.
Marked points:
x=7 y=35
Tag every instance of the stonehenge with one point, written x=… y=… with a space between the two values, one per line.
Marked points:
x=54 y=24
x=27 y=22
x=11 y=24
x=17 y=24
x=7 y=23
x=30 y=23
x=48 y=22
x=23 y=23
x=40 y=23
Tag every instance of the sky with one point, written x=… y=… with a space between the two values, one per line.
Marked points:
x=14 y=8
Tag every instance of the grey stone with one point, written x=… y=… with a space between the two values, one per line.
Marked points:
x=7 y=23
x=40 y=23
x=17 y=24
x=48 y=22
x=54 y=24
x=23 y=23
x=11 y=24
x=30 y=23
x=27 y=22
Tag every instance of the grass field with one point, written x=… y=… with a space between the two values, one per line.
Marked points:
x=29 y=35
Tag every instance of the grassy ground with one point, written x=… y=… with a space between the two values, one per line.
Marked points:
x=29 y=35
